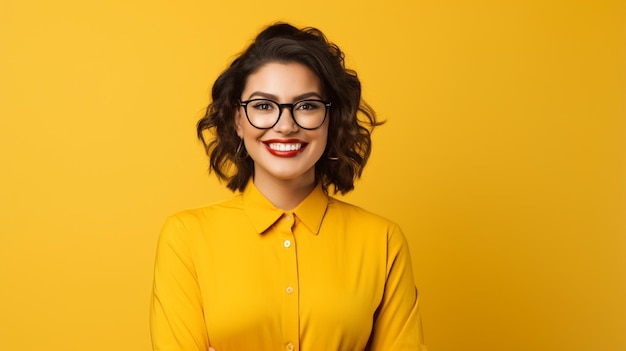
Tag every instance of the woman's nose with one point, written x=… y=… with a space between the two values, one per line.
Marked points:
x=286 y=123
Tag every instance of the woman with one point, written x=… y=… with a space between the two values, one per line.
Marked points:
x=284 y=266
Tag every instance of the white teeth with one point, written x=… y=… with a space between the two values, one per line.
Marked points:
x=285 y=147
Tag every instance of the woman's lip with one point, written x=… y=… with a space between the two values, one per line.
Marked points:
x=283 y=141
x=285 y=147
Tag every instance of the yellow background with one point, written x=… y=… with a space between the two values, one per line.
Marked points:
x=503 y=159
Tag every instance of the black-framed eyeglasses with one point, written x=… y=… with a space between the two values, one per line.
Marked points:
x=265 y=113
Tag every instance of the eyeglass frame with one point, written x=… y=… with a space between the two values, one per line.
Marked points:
x=281 y=107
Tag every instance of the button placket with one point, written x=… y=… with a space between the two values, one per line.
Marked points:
x=289 y=267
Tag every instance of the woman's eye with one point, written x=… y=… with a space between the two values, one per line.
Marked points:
x=308 y=106
x=263 y=106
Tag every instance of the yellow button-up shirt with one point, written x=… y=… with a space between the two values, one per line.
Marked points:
x=244 y=275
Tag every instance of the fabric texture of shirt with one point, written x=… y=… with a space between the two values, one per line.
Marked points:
x=244 y=275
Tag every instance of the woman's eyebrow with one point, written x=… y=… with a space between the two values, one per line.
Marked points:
x=265 y=95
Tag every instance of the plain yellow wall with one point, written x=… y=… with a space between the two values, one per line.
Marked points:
x=503 y=159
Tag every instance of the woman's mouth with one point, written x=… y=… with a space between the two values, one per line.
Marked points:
x=284 y=148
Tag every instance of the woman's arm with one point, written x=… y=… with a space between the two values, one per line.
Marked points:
x=397 y=323
x=176 y=316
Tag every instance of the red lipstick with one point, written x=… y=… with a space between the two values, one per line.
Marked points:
x=285 y=147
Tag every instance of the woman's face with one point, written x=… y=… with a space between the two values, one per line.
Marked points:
x=284 y=152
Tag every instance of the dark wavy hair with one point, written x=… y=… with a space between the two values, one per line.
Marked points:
x=351 y=119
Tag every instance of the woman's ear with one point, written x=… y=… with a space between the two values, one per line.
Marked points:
x=238 y=124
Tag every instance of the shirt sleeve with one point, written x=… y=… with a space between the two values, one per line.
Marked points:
x=397 y=323
x=176 y=315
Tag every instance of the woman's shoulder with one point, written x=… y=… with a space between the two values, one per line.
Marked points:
x=211 y=212
x=357 y=214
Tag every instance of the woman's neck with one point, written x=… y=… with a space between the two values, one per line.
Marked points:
x=285 y=194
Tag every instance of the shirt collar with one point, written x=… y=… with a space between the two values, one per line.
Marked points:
x=311 y=211
x=263 y=213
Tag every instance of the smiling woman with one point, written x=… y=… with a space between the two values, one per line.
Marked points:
x=283 y=265
x=284 y=151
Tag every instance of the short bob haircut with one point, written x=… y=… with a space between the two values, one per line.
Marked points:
x=349 y=142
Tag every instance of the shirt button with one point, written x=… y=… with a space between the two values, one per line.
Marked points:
x=288 y=218
x=289 y=290
x=290 y=347
x=287 y=243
